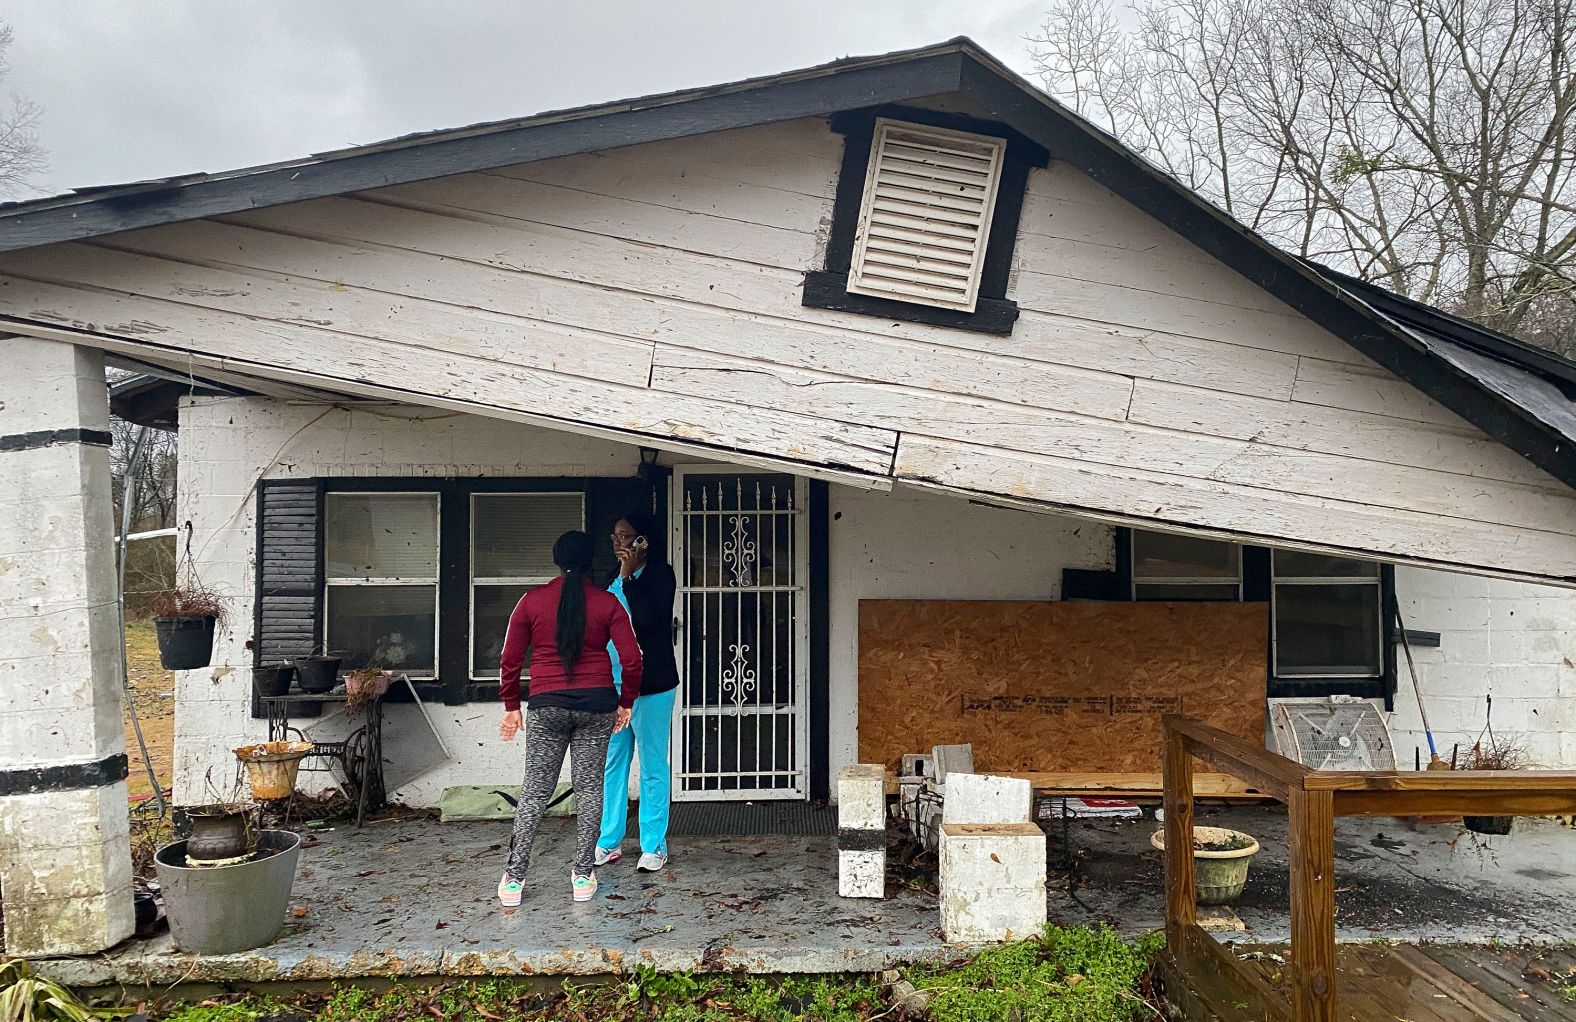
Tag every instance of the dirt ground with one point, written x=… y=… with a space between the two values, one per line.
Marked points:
x=153 y=697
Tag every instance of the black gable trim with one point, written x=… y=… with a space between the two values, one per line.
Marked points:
x=845 y=86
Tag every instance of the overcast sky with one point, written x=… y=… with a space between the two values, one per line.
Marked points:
x=147 y=88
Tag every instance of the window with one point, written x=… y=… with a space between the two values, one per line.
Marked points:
x=929 y=196
x=380 y=567
x=1326 y=616
x=1167 y=567
x=512 y=536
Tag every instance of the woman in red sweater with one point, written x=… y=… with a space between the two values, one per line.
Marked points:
x=565 y=627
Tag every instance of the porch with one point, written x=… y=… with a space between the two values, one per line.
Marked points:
x=413 y=898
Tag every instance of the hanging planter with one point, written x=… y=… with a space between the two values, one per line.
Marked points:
x=185 y=643
x=1494 y=752
x=186 y=617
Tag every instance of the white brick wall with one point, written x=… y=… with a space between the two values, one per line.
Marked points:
x=227 y=445
x=1513 y=640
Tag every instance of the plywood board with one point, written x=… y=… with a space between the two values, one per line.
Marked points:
x=1052 y=686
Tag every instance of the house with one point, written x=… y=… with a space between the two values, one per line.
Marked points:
x=890 y=329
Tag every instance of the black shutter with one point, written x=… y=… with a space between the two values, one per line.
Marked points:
x=288 y=616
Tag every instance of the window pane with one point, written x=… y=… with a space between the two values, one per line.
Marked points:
x=1158 y=555
x=1172 y=591
x=384 y=626
x=1327 y=629
x=381 y=535
x=1292 y=564
x=512 y=534
x=494 y=604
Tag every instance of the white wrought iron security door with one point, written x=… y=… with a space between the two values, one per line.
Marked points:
x=741 y=552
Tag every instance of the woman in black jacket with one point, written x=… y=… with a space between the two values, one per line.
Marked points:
x=646 y=586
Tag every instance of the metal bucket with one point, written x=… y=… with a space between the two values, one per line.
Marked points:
x=272 y=766
x=219 y=910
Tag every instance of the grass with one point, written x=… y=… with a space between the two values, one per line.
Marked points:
x=1087 y=975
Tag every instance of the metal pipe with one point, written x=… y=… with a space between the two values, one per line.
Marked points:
x=128 y=494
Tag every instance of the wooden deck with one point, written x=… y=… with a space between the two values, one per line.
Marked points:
x=1402 y=982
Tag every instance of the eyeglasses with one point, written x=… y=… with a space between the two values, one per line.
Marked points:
x=625 y=536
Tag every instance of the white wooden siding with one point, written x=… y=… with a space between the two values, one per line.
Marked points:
x=654 y=292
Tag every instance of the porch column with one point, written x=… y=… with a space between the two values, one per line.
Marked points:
x=65 y=850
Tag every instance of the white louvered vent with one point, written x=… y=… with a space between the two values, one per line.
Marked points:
x=929 y=193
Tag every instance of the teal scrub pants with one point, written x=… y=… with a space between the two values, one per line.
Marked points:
x=648 y=729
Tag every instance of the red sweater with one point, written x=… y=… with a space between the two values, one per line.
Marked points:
x=533 y=628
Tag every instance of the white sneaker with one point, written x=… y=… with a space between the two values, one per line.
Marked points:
x=652 y=862
x=605 y=857
x=584 y=887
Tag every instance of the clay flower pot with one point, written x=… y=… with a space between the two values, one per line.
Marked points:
x=1220 y=871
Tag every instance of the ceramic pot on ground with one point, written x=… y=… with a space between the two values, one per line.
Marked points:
x=220 y=910
x=1218 y=876
x=219 y=834
x=185 y=643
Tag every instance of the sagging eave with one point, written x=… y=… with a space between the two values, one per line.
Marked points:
x=333 y=390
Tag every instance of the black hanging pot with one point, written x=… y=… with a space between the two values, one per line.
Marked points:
x=317 y=674
x=185 y=643
x=275 y=681
x=1488 y=824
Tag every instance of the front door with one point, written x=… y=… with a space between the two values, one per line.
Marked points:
x=740 y=548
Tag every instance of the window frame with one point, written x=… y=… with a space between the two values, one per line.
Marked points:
x=1375 y=580
x=331 y=582
x=1202 y=581
x=474 y=580
x=994 y=313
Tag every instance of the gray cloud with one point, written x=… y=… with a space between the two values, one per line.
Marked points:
x=158 y=87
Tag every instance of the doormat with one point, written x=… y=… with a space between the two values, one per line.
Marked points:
x=740 y=819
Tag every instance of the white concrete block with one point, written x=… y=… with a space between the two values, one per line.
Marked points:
x=992 y=882
x=861 y=874
x=861 y=797
x=945 y=759
x=986 y=798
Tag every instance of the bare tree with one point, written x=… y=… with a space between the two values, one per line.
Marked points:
x=1425 y=145
x=154 y=475
x=21 y=156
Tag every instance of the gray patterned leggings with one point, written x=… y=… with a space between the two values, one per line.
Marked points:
x=549 y=731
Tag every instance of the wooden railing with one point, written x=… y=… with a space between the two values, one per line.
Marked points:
x=1313 y=799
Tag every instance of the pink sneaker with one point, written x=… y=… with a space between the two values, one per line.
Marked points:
x=509 y=891
x=584 y=887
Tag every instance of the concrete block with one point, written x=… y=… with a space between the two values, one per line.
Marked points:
x=861 y=874
x=992 y=882
x=945 y=759
x=986 y=798
x=861 y=797
x=916 y=764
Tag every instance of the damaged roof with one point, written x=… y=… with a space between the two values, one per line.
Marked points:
x=1520 y=395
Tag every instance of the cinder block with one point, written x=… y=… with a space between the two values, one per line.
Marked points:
x=986 y=798
x=946 y=759
x=861 y=874
x=992 y=882
x=861 y=796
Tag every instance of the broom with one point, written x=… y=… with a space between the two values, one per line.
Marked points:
x=1434 y=760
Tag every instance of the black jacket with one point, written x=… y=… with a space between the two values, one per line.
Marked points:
x=650 y=597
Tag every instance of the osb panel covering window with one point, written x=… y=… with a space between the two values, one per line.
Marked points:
x=1054 y=686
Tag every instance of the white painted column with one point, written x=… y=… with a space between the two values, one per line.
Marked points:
x=65 y=850
x=861 y=831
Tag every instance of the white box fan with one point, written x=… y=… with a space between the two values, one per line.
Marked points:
x=1336 y=733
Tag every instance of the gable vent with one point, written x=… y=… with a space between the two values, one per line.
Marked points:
x=925 y=219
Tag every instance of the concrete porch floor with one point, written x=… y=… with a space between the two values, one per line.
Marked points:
x=416 y=898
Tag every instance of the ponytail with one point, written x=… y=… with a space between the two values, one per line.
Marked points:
x=572 y=554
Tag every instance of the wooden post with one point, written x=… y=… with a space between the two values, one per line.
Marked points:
x=1181 y=902
x=1312 y=818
